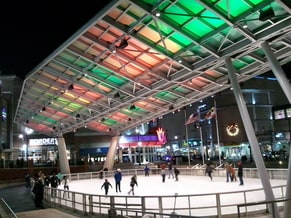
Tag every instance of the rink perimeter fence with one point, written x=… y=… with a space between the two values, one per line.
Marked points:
x=219 y=204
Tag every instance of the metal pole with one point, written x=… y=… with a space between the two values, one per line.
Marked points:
x=251 y=134
x=201 y=139
x=187 y=138
x=285 y=85
x=217 y=133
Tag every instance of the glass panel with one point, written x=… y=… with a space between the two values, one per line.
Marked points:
x=263 y=113
x=261 y=98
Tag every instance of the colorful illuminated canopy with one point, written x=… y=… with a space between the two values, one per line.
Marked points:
x=137 y=58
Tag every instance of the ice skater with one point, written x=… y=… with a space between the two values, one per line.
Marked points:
x=163 y=174
x=209 y=169
x=176 y=172
x=170 y=170
x=240 y=173
x=66 y=186
x=133 y=182
x=106 y=186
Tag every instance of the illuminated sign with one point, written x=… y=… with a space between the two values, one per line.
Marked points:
x=3 y=113
x=279 y=114
x=161 y=135
x=43 y=141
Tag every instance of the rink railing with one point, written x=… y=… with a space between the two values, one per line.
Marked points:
x=219 y=204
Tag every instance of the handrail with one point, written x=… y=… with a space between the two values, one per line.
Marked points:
x=259 y=203
x=5 y=210
x=99 y=204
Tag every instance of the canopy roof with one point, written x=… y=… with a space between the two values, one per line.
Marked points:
x=137 y=60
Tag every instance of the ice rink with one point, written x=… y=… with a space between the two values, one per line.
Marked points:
x=186 y=185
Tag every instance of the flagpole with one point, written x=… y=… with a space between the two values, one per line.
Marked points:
x=186 y=129
x=217 y=132
x=201 y=138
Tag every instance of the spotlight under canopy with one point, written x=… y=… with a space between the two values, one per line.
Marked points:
x=132 y=107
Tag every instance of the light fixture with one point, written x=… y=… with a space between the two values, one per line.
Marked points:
x=158 y=14
x=116 y=95
x=132 y=107
x=114 y=50
x=266 y=14
x=123 y=44
x=245 y=25
x=71 y=87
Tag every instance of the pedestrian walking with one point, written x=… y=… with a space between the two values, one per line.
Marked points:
x=54 y=184
x=118 y=178
x=106 y=186
x=27 y=181
x=133 y=182
x=38 y=192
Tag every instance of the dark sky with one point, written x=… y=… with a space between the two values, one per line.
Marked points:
x=31 y=30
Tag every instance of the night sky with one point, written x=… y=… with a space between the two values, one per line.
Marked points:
x=32 y=30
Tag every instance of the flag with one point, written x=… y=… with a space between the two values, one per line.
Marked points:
x=210 y=114
x=192 y=118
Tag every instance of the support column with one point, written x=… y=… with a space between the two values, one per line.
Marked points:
x=285 y=85
x=251 y=136
x=109 y=162
x=143 y=154
x=129 y=154
x=120 y=155
x=63 y=159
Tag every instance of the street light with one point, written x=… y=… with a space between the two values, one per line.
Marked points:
x=24 y=147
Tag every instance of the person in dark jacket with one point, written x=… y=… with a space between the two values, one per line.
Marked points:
x=176 y=172
x=106 y=186
x=209 y=169
x=118 y=177
x=240 y=173
x=27 y=181
x=133 y=182
x=38 y=192
x=54 y=184
x=146 y=170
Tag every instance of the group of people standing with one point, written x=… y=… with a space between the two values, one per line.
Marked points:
x=230 y=172
x=40 y=181
x=172 y=172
